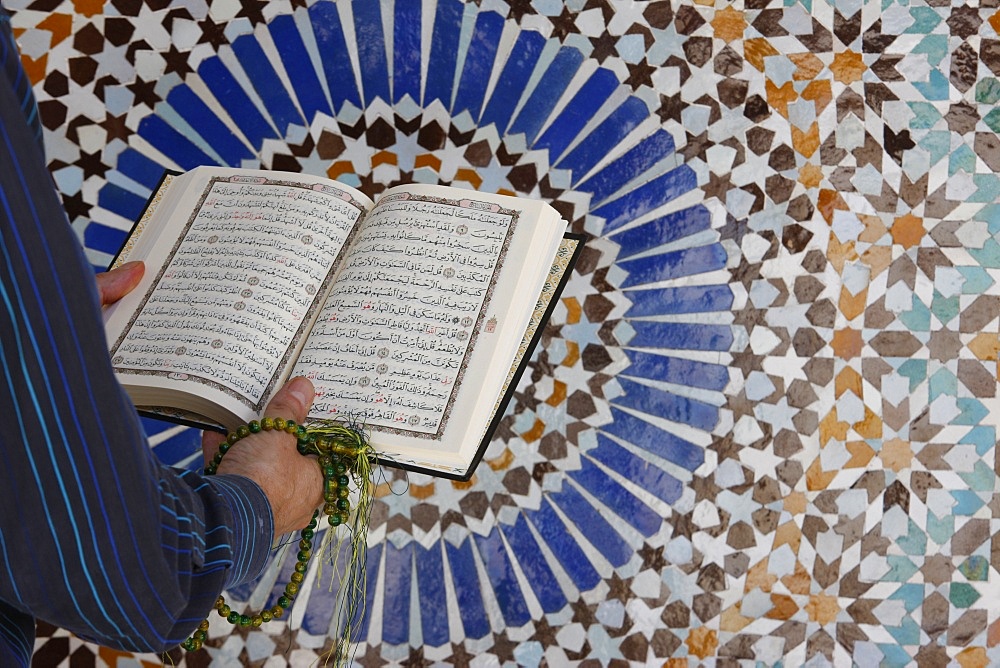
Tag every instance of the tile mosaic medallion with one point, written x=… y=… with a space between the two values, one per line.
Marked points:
x=761 y=427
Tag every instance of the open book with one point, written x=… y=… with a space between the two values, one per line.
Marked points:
x=413 y=315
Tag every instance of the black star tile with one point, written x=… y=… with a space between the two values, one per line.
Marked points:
x=212 y=33
x=640 y=74
x=253 y=10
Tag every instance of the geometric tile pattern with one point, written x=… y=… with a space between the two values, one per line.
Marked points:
x=761 y=427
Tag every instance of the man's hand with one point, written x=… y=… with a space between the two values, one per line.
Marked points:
x=115 y=284
x=293 y=483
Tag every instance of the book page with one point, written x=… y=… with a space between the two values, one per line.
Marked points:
x=391 y=344
x=230 y=299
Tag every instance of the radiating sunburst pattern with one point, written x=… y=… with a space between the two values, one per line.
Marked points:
x=620 y=399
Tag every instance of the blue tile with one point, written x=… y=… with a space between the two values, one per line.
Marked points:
x=180 y=447
x=362 y=619
x=592 y=524
x=478 y=65
x=370 y=42
x=663 y=230
x=123 y=202
x=332 y=48
x=513 y=80
x=647 y=197
x=579 y=111
x=690 y=373
x=500 y=572
x=680 y=335
x=649 y=437
x=546 y=93
x=633 y=163
x=464 y=576
x=433 y=602
x=322 y=603
x=532 y=562
x=406 y=51
x=172 y=143
x=673 y=407
x=605 y=137
x=675 y=264
x=398 y=571
x=265 y=81
x=616 y=498
x=444 y=47
x=686 y=299
x=573 y=559
x=103 y=238
x=235 y=101
x=206 y=123
x=140 y=168
x=298 y=65
x=652 y=479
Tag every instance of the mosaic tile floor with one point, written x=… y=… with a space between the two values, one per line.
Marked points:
x=761 y=428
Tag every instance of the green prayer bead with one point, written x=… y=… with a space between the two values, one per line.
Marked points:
x=244 y=620
x=341 y=468
x=343 y=504
x=343 y=481
x=200 y=635
x=328 y=472
x=308 y=533
x=224 y=448
x=284 y=601
x=233 y=618
x=304 y=555
x=254 y=427
x=291 y=427
x=335 y=520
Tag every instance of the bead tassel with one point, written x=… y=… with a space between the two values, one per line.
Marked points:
x=339 y=448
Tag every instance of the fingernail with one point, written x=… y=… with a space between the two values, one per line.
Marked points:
x=300 y=388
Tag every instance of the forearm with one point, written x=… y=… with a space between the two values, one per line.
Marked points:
x=95 y=535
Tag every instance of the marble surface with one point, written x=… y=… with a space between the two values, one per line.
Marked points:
x=761 y=426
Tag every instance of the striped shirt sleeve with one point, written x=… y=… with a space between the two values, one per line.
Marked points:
x=96 y=536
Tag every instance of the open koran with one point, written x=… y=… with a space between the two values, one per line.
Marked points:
x=414 y=314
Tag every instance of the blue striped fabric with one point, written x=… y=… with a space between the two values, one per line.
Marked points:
x=95 y=535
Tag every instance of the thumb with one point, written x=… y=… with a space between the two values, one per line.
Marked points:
x=115 y=284
x=292 y=401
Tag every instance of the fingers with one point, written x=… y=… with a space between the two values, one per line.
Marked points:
x=115 y=284
x=292 y=401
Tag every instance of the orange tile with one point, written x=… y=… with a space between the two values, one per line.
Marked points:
x=848 y=67
x=907 y=231
x=60 y=25
x=729 y=24
x=702 y=642
x=756 y=50
x=847 y=343
x=806 y=143
x=852 y=305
